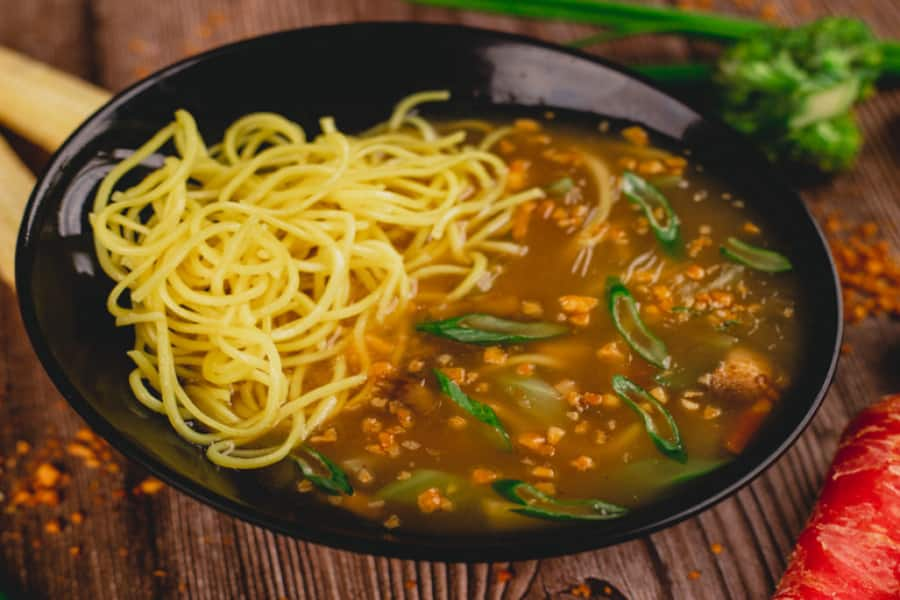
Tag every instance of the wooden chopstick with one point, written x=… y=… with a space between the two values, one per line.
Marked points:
x=43 y=105
x=16 y=182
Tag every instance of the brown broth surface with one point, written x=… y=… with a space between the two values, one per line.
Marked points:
x=585 y=443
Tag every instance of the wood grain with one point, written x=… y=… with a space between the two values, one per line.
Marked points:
x=198 y=553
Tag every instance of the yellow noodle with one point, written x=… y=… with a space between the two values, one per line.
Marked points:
x=592 y=231
x=251 y=270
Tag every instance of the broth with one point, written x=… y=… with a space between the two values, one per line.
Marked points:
x=417 y=460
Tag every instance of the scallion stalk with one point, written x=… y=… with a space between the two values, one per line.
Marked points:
x=534 y=503
x=628 y=323
x=479 y=410
x=642 y=193
x=618 y=16
x=635 y=396
x=754 y=257
x=334 y=483
x=478 y=328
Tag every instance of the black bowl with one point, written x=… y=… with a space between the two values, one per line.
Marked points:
x=357 y=72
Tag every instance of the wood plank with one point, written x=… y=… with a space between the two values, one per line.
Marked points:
x=52 y=31
x=207 y=555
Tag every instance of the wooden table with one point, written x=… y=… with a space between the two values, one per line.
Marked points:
x=167 y=545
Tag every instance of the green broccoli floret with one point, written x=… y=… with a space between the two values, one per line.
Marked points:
x=793 y=90
x=835 y=142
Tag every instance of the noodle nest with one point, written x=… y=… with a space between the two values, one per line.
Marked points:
x=252 y=270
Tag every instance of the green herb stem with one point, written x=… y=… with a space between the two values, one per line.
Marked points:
x=635 y=18
x=621 y=19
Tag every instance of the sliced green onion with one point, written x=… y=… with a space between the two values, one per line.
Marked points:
x=477 y=328
x=727 y=324
x=334 y=484
x=628 y=322
x=639 y=191
x=656 y=473
x=634 y=395
x=407 y=490
x=560 y=187
x=754 y=257
x=535 y=394
x=480 y=411
x=535 y=503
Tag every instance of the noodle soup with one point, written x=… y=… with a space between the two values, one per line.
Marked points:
x=459 y=326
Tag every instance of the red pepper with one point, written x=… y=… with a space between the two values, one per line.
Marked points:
x=850 y=548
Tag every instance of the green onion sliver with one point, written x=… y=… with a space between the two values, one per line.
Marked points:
x=407 y=490
x=535 y=503
x=560 y=187
x=754 y=257
x=634 y=396
x=627 y=321
x=639 y=191
x=480 y=411
x=334 y=484
x=477 y=328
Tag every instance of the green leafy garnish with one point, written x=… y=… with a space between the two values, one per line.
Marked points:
x=480 y=411
x=625 y=317
x=560 y=187
x=639 y=191
x=406 y=490
x=334 y=484
x=634 y=395
x=478 y=328
x=792 y=89
x=754 y=257
x=535 y=503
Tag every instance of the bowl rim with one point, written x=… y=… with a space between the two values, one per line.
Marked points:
x=26 y=249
